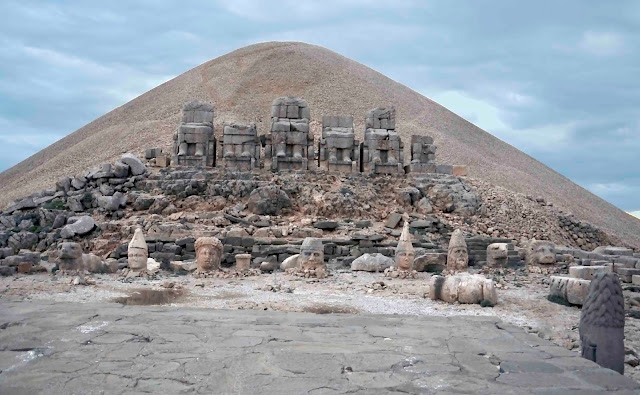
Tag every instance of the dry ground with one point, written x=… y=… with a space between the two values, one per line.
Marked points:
x=522 y=298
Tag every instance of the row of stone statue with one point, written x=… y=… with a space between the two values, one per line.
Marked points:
x=290 y=146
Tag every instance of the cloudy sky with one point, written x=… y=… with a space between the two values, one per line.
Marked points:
x=558 y=80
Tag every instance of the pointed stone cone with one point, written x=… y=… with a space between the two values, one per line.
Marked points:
x=138 y=251
x=404 y=244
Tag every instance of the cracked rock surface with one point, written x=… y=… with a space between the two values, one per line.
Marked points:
x=55 y=347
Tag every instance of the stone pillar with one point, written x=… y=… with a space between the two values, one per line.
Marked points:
x=194 y=143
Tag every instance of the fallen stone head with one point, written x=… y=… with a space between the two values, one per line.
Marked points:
x=208 y=253
x=540 y=252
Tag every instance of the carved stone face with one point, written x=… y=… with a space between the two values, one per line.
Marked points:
x=137 y=258
x=541 y=253
x=497 y=250
x=311 y=258
x=208 y=253
x=404 y=259
x=208 y=258
x=69 y=251
x=457 y=258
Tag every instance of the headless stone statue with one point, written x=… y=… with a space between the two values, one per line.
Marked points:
x=602 y=323
x=382 y=149
x=337 y=148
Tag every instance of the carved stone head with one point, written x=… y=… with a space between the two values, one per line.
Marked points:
x=457 y=254
x=540 y=252
x=405 y=254
x=69 y=251
x=497 y=254
x=208 y=253
x=70 y=256
x=138 y=252
x=311 y=254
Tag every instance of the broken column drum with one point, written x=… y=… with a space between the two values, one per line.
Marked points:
x=240 y=147
x=382 y=149
x=423 y=155
x=289 y=145
x=194 y=141
x=338 y=148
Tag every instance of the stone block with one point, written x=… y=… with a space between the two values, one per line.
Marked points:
x=587 y=272
x=393 y=220
x=459 y=170
x=635 y=279
x=444 y=169
x=163 y=161
x=281 y=126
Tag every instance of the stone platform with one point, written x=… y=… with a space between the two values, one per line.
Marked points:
x=56 y=348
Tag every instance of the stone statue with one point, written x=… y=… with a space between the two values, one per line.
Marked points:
x=338 y=147
x=602 y=323
x=540 y=252
x=194 y=141
x=312 y=257
x=208 y=253
x=289 y=145
x=497 y=254
x=463 y=288
x=382 y=149
x=240 y=147
x=457 y=254
x=423 y=154
x=138 y=252
x=405 y=254
x=71 y=259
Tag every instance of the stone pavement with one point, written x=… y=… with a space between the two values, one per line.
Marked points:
x=66 y=348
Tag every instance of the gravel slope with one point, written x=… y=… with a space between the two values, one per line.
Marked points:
x=242 y=85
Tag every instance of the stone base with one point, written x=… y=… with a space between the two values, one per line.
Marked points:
x=384 y=168
x=339 y=166
x=193 y=161
x=422 y=168
x=240 y=164
x=278 y=164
